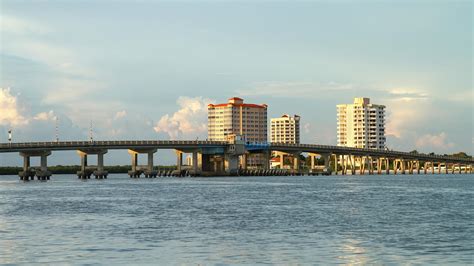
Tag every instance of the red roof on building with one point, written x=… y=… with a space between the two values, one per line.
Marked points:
x=238 y=105
x=236 y=98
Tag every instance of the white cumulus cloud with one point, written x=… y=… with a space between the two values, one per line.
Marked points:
x=120 y=114
x=9 y=109
x=190 y=120
x=439 y=141
x=45 y=116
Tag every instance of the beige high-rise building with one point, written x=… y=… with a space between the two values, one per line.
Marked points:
x=236 y=118
x=361 y=124
x=285 y=129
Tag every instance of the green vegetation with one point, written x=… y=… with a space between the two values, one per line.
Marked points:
x=72 y=169
x=461 y=155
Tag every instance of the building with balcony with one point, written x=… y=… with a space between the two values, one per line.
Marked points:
x=361 y=124
x=285 y=129
x=236 y=118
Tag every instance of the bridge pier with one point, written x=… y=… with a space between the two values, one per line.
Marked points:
x=371 y=166
x=410 y=167
x=42 y=172
x=243 y=160
x=296 y=162
x=138 y=170
x=379 y=166
x=87 y=171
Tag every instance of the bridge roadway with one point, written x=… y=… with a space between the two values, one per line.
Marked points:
x=222 y=157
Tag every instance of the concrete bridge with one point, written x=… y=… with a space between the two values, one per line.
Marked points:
x=230 y=158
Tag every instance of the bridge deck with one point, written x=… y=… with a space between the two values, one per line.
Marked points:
x=186 y=144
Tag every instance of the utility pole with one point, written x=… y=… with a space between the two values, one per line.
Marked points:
x=57 y=129
x=91 y=137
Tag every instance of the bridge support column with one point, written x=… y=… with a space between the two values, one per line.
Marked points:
x=432 y=168
x=98 y=171
x=336 y=164
x=282 y=160
x=387 y=166
x=27 y=173
x=362 y=165
x=42 y=172
x=138 y=170
x=351 y=161
x=244 y=161
x=418 y=167
x=231 y=164
x=410 y=171
x=195 y=164
x=343 y=165
x=296 y=163
x=266 y=159
x=371 y=166
x=379 y=166
x=134 y=156
x=83 y=174
x=327 y=162
x=179 y=160
x=460 y=171
x=312 y=158
x=446 y=168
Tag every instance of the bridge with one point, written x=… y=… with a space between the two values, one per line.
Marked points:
x=230 y=158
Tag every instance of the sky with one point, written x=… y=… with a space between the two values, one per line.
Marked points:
x=148 y=69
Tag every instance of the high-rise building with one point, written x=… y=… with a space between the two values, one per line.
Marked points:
x=361 y=125
x=285 y=129
x=237 y=118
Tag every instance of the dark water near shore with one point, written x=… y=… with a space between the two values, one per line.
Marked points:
x=249 y=220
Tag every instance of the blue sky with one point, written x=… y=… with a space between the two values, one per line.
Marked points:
x=147 y=69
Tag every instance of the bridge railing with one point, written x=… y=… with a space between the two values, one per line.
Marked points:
x=263 y=145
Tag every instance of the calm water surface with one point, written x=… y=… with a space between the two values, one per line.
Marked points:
x=247 y=220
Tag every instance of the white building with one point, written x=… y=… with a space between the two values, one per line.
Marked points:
x=361 y=125
x=285 y=129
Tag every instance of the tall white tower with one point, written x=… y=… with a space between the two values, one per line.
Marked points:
x=361 y=124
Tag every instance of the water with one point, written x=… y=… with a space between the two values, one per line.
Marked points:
x=248 y=220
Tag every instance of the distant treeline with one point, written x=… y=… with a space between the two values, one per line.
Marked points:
x=72 y=169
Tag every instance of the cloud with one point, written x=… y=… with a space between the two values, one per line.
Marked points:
x=294 y=89
x=68 y=83
x=45 y=116
x=307 y=127
x=10 y=114
x=439 y=141
x=407 y=94
x=14 y=25
x=407 y=108
x=120 y=114
x=190 y=120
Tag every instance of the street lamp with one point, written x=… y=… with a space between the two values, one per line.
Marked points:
x=10 y=136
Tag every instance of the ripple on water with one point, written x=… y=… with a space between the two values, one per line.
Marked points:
x=248 y=220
